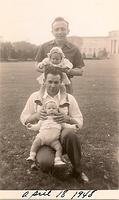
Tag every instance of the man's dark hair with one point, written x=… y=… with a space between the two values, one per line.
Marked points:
x=59 y=19
x=50 y=69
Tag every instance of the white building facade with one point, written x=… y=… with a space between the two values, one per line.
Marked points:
x=114 y=42
x=98 y=46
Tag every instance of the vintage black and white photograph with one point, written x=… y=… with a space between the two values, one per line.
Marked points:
x=59 y=94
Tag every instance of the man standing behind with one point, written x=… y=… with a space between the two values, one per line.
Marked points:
x=60 y=30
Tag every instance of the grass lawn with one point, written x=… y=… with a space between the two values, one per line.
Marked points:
x=96 y=92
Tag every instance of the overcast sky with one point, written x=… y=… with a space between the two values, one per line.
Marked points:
x=30 y=20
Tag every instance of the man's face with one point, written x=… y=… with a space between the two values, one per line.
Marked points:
x=52 y=84
x=60 y=30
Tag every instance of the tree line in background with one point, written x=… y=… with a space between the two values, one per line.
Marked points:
x=17 y=51
x=25 y=51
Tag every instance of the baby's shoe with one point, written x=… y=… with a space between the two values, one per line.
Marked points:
x=32 y=162
x=58 y=161
x=30 y=158
x=34 y=166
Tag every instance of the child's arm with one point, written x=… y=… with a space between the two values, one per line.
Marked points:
x=34 y=127
x=40 y=67
x=68 y=64
x=65 y=65
x=74 y=125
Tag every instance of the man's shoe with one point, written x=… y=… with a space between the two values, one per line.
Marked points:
x=58 y=162
x=62 y=172
x=80 y=177
x=34 y=166
x=30 y=159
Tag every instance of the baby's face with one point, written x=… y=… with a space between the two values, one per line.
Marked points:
x=51 y=108
x=55 y=58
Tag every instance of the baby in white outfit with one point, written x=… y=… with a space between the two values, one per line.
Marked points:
x=49 y=133
x=56 y=58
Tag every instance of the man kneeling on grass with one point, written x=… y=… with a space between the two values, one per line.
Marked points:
x=69 y=113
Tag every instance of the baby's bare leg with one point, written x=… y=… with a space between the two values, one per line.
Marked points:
x=58 y=154
x=34 y=148
x=57 y=147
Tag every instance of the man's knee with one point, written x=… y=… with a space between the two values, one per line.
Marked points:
x=45 y=158
x=69 y=139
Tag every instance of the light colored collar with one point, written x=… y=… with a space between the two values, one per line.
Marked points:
x=61 y=96
x=58 y=95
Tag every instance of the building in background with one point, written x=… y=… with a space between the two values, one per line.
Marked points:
x=98 y=47
x=90 y=47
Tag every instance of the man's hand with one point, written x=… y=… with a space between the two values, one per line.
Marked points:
x=77 y=128
x=61 y=118
x=42 y=115
x=35 y=117
x=75 y=72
